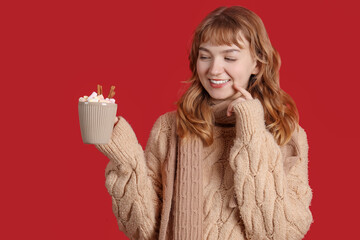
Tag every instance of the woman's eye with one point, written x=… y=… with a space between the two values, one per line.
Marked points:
x=227 y=59
x=202 y=57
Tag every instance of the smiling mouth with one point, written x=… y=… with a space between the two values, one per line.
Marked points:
x=219 y=81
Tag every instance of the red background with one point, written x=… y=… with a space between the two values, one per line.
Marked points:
x=53 y=52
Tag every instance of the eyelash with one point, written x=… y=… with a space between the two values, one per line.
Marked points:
x=229 y=59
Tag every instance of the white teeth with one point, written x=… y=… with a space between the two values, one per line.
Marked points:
x=219 y=82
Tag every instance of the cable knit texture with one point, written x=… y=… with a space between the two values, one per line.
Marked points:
x=251 y=189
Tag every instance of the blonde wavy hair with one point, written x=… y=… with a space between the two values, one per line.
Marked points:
x=221 y=27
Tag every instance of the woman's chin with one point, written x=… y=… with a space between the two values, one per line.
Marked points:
x=230 y=96
x=218 y=99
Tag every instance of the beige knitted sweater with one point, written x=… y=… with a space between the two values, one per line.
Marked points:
x=265 y=195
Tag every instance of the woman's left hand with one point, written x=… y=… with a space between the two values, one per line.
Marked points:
x=245 y=95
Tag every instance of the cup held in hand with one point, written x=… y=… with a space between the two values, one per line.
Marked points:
x=96 y=121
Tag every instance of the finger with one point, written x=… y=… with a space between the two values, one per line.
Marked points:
x=230 y=108
x=246 y=94
x=115 y=120
x=243 y=91
x=238 y=87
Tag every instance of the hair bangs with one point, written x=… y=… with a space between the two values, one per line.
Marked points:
x=221 y=33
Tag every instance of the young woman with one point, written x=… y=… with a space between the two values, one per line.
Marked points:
x=232 y=161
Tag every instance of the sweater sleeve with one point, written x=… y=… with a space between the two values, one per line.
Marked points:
x=133 y=178
x=272 y=187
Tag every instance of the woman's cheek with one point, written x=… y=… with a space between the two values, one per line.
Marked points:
x=200 y=67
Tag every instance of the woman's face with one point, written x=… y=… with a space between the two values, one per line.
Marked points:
x=221 y=67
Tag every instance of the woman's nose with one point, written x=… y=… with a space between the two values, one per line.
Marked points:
x=216 y=68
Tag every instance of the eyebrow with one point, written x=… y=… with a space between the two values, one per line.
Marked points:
x=225 y=51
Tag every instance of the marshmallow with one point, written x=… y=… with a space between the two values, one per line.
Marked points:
x=95 y=98
x=94 y=94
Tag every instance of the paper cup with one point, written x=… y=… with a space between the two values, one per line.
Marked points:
x=96 y=121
